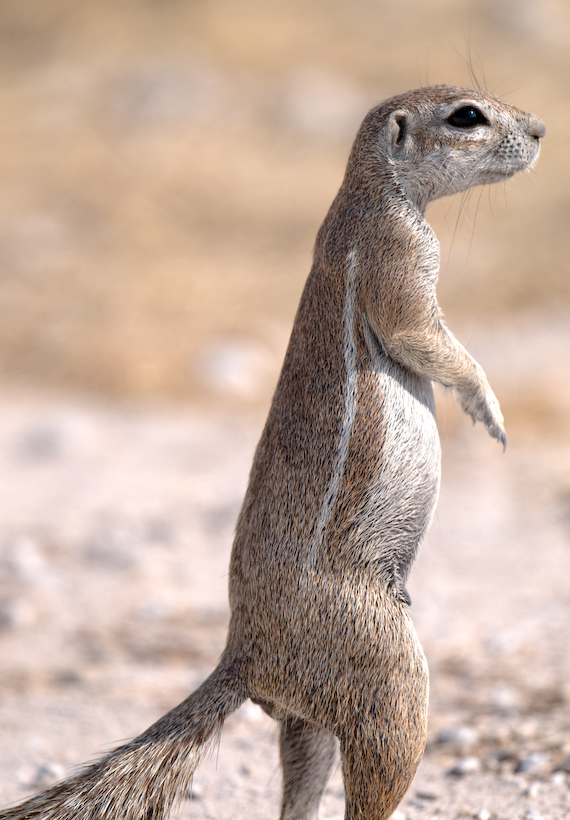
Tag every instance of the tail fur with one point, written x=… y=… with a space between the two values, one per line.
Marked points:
x=142 y=779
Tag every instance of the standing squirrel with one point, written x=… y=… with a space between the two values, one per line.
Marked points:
x=342 y=489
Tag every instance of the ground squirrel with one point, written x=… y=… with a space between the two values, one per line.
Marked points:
x=343 y=485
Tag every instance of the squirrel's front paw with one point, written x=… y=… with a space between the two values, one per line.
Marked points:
x=483 y=406
x=497 y=430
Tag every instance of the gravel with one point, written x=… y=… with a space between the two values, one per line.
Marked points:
x=115 y=533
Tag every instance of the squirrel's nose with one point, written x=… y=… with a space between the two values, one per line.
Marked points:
x=536 y=128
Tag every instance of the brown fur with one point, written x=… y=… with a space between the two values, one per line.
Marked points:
x=342 y=489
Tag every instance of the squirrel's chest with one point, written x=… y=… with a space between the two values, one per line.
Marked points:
x=389 y=454
x=403 y=489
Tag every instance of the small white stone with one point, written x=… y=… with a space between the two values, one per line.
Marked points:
x=25 y=561
x=427 y=794
x=47 y=774
x=462 y=738
x=505 y=699
x=533 y=763
x=466 y=765
x=531 y=814
x=251 y=711
x=532 y=789
x=484 y=814
x=196 y=791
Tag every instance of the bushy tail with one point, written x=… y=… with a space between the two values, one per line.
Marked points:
x=141 y=780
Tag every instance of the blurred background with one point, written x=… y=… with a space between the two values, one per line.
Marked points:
x=165 y=165
x=164 y=168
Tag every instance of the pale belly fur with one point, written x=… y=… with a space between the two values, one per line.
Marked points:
x=402 y=496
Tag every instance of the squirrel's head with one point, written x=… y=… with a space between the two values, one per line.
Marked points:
x=443 y=139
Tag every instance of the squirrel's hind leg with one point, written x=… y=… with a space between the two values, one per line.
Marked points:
x=308 y=754
x=384 y=733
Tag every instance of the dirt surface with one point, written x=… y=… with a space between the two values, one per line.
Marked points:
x=115 y=529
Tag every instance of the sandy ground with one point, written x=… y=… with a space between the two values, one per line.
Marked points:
x=115 y=533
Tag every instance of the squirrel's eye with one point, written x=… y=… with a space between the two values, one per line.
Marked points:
x=467 y=117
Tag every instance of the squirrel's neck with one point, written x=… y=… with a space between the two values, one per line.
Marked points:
x=415 y=195
x=382 y=226
x=394 y=212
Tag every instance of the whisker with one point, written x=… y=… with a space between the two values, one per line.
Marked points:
x=475 y=220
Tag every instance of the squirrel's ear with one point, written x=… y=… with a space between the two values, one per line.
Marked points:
x=397 y=128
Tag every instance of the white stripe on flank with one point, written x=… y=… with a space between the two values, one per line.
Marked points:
x=348 y=417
